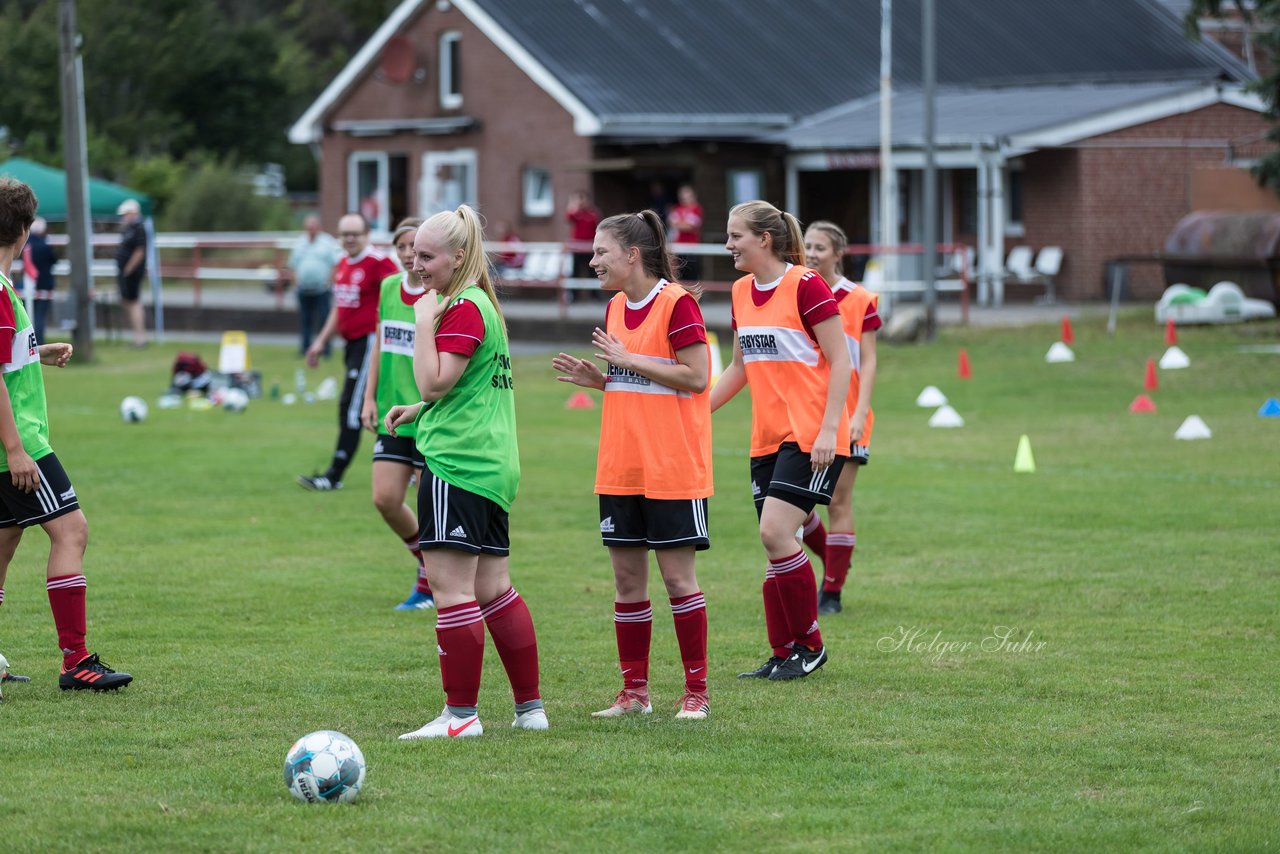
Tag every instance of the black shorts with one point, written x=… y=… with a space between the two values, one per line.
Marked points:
x=859 y=455
x=633 y=521
x=788 y=475
x=450 y=517
x=54 y=496
x=397 y=449
x=130 y=286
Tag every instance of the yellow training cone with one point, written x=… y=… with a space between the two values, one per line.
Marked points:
x=1023 y=462
x=717 y=361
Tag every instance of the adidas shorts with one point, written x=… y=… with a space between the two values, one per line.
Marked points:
x=633 y=521
x=859 y=455
x=450 y=517
x=54 y=496
x=397 y=449
x=788 y=475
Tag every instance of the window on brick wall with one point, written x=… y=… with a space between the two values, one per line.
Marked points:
x=1013 y=199
x=536 y=192
x=450 y=69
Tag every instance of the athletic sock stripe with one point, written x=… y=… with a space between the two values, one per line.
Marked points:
x=66 y=582
x=812 y=523
x=501 y=602
x=464 y=616
x=645 y=616
x=788 y=564
x=697 y=603
x=841 y=539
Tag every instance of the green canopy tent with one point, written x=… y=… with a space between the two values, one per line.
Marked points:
x=50 y=187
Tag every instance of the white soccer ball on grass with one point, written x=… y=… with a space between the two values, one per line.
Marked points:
x=324 y=767
x=133 y=409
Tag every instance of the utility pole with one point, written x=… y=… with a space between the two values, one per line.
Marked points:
x=888 y=175
x=79 y=250
x=929 y=260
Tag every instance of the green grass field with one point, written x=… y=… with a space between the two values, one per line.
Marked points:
x=251 y=612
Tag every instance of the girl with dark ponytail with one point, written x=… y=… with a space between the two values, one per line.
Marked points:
x=653 y=470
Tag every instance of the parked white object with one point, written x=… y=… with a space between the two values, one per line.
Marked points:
x=1193 y=428
x=946 y=417
x=1059 y=352
x=1224 y=303
x=931 y=397
x=1173 y=359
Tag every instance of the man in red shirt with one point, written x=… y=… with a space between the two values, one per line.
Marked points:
x=357 y=282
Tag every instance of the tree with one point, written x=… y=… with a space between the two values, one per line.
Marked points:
x=185 y=80
x=1264 y=15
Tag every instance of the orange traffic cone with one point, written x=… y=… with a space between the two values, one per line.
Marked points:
x=1142 y=403
x=1150 y=383
x=580 y=400
x=963 y=369
x=1170 y=333
x=1068 y=335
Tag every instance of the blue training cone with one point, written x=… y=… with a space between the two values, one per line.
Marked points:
x=1270 y=409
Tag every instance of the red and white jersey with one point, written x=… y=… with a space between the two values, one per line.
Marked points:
x=357 y=288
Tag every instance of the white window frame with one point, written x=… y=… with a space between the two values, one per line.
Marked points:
x=354 y=161
x=450 y=94
x=537 y=194
x=1012 y=227
x=431 y=160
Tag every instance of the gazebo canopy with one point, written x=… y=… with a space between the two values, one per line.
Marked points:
x=50 y=187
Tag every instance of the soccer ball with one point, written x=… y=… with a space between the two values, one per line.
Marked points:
x=133 y=409
x=235 y=400
x=324 y=767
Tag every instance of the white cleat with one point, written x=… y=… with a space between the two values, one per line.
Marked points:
x=532 y=719
x=447 y=726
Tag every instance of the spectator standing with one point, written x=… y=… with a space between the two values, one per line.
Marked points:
x=508 y=259
x=39 y=258
x=583 y=217
x=357 y=286
x=131 y=266
x=685 y=222
x=312 y=260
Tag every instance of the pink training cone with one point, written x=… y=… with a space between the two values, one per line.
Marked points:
x=963 y=367
x=1068 y=334
x=579 y=400
x=1142 y=403
x=1170 y=333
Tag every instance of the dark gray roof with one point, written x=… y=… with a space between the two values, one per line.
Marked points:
x=770 y=58
x=965 y=117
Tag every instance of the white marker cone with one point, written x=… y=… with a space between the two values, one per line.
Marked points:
x=1193 y=428
x=946 y=417
x=1059 y=352
x=1173 y=359
x=931 y=398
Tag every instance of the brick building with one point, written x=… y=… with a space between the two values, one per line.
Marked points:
x=1072 y=126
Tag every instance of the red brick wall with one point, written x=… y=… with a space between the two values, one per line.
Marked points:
x=519 y=125
x=1121 y=193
